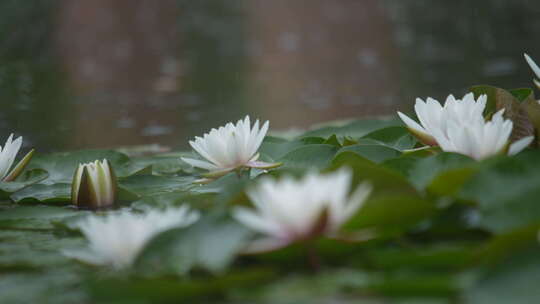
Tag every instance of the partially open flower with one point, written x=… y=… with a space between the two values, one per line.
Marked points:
x=535 y=68
x=7 y=157
x=94 y=185
x=288 y=210
x=117 y=239
x=435 y=118
x=230 y=147
x=480 y=139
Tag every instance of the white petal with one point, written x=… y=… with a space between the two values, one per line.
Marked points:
x=519 y=145
x=411 y=123
x=357 y=200
x=255 y=222
x=260 y=137
x=8 y=154
x=199 y=163
x=537 y=83
x=533 y=65
x=199 y=145
x=117 y=238
x=265 y=244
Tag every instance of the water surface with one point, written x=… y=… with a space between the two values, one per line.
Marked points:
x=104 y=73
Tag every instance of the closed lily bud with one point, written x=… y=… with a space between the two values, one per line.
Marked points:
x=94 y=185
x=7 y=157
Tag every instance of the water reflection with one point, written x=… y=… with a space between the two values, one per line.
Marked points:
x=104 y=73
x=152 y=71
x=34 y=97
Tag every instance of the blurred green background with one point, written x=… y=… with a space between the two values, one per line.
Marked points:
x=107 y=73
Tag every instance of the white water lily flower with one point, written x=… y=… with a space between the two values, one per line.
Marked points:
x=481 y=139
x=117 y=239
x=288 y=209
x=7 y=157
x=435 y=118
x=535 y=68
x=230 y=147
x=94 y=185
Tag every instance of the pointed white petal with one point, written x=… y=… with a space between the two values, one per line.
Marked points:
x=117 y=238
x=255 y=222
x=199 y=145
x=357 y=200
x=265 y=244
x=260 y=137
x=533 y=65
x=263 y=165
x=520 y=145
x=411 y=124
x=199 y=163
x=537 y=83
x=8 y=154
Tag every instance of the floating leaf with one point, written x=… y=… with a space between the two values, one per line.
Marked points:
x=391 y=214
x=372 y=150
x=61 y=166
x=513 y=281
x=398 y=138
x=210 y=244
x=144 y=185
x=309 y=156
x=384 y=180
x=427 y=172
x=354 y=129
x=23 y=181
x=58 y=193
x=507 y=191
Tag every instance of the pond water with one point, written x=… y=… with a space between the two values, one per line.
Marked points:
x=104 y=73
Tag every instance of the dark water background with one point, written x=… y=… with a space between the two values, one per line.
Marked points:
x=106 y=73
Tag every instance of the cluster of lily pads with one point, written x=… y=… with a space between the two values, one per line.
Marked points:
x=443 y=210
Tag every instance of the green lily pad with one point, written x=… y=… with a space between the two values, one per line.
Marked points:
x=61 y=166
x=146 y=185
x=59 y=193
x=372 y=150
x=507 y=191
x=354 y=129
x=309 y=156
x=210 y=244
x=28 y=178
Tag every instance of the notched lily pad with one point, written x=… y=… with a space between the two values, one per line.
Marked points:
x=59 y=193
x=61 y=166
x=26 y=179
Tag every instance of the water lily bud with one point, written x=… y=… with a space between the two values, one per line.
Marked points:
x=94 y=185
x=7 y=157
